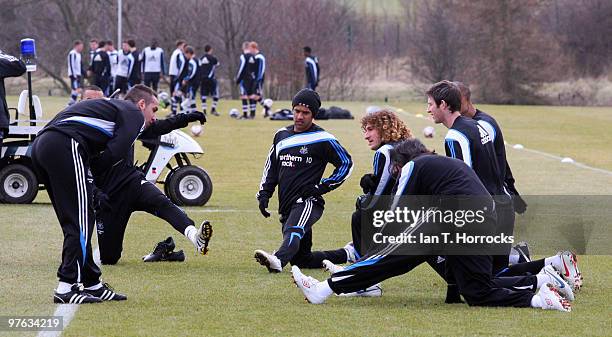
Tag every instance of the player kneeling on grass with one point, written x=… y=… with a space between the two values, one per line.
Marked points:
x=424 y=173
x=122 y=189
x=296 y=163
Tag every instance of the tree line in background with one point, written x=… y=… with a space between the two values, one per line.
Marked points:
x=505 y=49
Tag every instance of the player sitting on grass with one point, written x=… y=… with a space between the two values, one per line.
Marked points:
x=382 y=130
x=296 y=163
x=426 y=174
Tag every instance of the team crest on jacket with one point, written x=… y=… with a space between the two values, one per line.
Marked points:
x=304 y=150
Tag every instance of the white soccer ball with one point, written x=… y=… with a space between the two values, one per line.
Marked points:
x=429 y=132
x=234 y=113
x=268 y=102
x=163 y=96
x=196 y=130
x=372 y=109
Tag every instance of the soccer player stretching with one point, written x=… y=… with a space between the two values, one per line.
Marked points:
x=296 y=163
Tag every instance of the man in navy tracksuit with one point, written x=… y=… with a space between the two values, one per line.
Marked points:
x=426 y=174
x=468 y=141
x=92 y=134
x=296 y=163
x=123 y=189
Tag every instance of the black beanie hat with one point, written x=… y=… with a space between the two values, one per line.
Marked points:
x=308 y=98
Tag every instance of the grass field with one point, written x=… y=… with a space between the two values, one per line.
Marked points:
x=227 y=293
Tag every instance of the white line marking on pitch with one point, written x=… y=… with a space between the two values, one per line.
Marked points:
x=67 y=311
x=542 y=153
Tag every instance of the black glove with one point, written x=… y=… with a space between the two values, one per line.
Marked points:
x=196 y=116
x=314 y=190
x=101 y=202
x=368 y=183
x=520 y=206
x=263 y=204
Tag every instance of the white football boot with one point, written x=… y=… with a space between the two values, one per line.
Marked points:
x=556 y=280
x=551 y=299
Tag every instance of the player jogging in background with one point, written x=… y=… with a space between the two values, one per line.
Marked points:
x=180 y=92
x=93 y=134
x=75 y=70
x=426 y=174
x=152 y=65
x=100 y=68
x=113 y=57
x=312 y=69
x=136 y=76
x=93 y=46
x=246 y=77
x=296 y=163
x=191 y=81
x=177 y=63
x=208 y=82
x=257 y=97
x=125 y=68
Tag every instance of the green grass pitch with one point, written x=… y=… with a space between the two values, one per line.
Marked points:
x=226 y=293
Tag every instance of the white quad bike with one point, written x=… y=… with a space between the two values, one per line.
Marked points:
x=18 y=182
x=185 y=184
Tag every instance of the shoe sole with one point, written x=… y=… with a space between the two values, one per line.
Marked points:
x=261 y=259
x=207 y=231
x=58 y=301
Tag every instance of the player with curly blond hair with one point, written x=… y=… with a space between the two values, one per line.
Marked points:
x=389 y=128
x=382 y=130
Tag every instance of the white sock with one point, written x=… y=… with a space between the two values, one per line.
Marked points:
x=96 y=287
x=555 y=261
x=536 y=301
x=324 y=289
x=63 y=288
x=191 y=232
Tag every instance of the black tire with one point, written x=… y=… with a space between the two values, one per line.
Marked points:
x=167 y=182
x=189 y=186
x=18 y=184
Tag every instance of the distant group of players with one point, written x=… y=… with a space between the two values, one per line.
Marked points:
x=111 y=70
x=474 y=168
